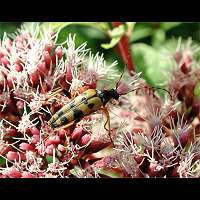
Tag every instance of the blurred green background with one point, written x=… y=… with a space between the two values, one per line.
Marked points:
x=148 y=41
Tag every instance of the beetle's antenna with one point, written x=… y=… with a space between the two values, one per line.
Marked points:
x=117 y=84
x=150 y=87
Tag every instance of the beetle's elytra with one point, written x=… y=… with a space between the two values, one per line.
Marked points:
x=86 y=103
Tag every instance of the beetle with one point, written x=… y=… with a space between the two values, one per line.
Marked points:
x=85 y=104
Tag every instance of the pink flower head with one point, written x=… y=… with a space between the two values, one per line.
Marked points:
x=12 y=173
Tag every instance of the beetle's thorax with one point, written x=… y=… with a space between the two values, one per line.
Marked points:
x=107 y=95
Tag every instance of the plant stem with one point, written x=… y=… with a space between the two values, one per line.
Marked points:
x=124 y=50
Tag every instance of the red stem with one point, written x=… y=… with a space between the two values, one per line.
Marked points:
x=124 y=50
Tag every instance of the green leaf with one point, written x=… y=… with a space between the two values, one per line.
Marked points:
x=8 y=27
x=56 y=26
x=158 y=37
x=118 y=31
x=115 y=35
x=130 y=26
x=169 y=25
x=75 y=171
x=110 y=173
x=197 y=89
x=50 y=159
x=151 y=62
x=140 y=32
x=2 y=160
x=112 y=43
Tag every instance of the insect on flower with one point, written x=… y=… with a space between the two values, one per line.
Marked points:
x=85 y=104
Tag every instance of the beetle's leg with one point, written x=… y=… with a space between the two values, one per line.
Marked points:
x=57 y=90
x=65 y=126
x=105 y=110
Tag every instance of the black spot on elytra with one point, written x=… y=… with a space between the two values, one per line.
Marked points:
x=78 y=113
x=84 y=100
x=60 y=113
x=63 y=119
x=72 y=104
x=53 y=125
x=91 y=105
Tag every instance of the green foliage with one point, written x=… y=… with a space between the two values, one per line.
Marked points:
x=50 y=159
x=197 y=89
x=147 y=40
x=116 y=35
x=2 y=160
x=8 y=27
x=150 y=62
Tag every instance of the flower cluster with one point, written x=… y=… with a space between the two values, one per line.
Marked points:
x=152 y=136
x=160 y=137
x=37 y=78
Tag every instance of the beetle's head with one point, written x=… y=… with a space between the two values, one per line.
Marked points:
x=114 y=94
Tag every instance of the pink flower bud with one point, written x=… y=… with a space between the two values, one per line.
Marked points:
x=137 y=130
x=1 y=54
x=34 y=131
x=45 y=88
x=34 y=78
x=47 y=59
x=5 y=150
x=178 y=56
x=175 y=172
x=68 y=76
x=96 y=145
x=48 y=142
x=11 y=132
x=122 y=88
x=52 y=140
x=62 y=133
x=2 y=78
x=42 y=69
x=18 y=68
x=91 y=85
x=4 y=61
x=48 y=47
x=85 y=139
x=77 y=133
x=57 y=55
x=20 y=104
x=19 y=45
x=10 y=81
x=27 y=175
x=35 y=139
x=19 y=38
x=155 y=170
x=26 y=147
x=139 y=159
x=63 y=83
x=74 y=162
x=3 y=176
x=8 y=43
x=125 y=114
x=12 y=155
x=49 y=149
x=13 y=173
x=184 y=137
x=61 y=148
x=185 y=68
x=187 y=60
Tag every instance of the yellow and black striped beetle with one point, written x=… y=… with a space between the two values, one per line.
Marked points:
x=85 y=104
